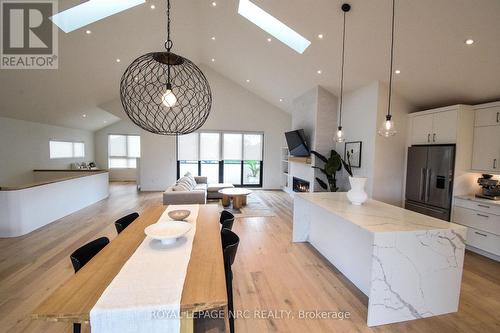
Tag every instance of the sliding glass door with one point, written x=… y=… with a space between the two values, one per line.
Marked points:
x=223 y=157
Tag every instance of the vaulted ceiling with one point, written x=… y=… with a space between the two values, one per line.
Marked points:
x=437 y=67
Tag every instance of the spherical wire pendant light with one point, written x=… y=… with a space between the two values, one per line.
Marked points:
x=164 y=93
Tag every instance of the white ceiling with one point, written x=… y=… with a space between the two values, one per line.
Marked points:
x=437 y=67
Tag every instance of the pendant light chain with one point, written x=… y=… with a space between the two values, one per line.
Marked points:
x=392 y=60
x=168 y=43
x=342 y=75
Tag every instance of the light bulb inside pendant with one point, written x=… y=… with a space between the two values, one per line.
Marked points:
x=169 y=99
x=339 y=135
x=387 y=129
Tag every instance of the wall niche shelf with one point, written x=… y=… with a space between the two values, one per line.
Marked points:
x=305 y=160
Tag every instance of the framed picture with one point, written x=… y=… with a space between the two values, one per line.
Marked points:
x=354 y=149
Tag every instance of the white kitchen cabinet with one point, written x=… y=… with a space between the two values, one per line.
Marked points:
x=444 y=127
x=488 y=116
x=486 y=149
x=421 y=129
x=434 y=128
x=483 y=222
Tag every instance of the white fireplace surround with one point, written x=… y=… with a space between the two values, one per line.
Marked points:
x=315 y=111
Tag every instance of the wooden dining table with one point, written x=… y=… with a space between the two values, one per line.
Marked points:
x=204 y=286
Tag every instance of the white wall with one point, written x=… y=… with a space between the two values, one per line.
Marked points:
x=359 y=122
x=382 y=159
x=390 y=153
x=101 y=148
x=24 y=146
x=233 y=108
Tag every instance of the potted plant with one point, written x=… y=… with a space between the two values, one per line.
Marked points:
x=331 y=166
x=254 y=168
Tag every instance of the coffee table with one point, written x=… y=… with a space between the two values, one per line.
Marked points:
x=238 y=195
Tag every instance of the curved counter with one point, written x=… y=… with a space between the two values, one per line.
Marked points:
x=30 y=206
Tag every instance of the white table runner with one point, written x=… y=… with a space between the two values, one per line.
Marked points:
x=145 y=295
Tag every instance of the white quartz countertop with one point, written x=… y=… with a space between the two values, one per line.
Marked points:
x=472 y=197
x=376 y=216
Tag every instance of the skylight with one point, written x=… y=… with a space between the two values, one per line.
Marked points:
x=90 y=12
x=273 y=26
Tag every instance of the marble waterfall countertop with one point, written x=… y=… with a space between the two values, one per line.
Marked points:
x=408 y=264
x=376 y=216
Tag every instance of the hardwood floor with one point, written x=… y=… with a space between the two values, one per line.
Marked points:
x=270 y=274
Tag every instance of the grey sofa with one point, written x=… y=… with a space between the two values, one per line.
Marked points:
x=198 y=195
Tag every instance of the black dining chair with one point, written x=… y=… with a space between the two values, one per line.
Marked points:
x=230 y=242
x=82 y=256
x=226 y=220
x=124 y=222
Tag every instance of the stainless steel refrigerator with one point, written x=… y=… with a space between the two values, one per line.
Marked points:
x=429 y=180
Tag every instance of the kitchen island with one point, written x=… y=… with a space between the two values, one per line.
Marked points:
x=408 y=264
x=53 y=195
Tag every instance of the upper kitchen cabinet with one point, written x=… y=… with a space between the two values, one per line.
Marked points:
x=487 y=115
x=437 y=126
x=486 y=146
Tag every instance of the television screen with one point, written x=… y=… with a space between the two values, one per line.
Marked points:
x=297 y=145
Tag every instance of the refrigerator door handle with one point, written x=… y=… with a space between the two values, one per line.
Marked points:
x=427 y=184
x=421 y=190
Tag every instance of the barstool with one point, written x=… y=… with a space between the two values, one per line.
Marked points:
x=230 y=242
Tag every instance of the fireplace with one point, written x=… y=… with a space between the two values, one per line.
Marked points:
x=300 y=185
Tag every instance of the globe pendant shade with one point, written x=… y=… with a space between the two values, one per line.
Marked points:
x=164 y=93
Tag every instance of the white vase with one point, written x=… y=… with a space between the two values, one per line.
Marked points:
x=357 y=194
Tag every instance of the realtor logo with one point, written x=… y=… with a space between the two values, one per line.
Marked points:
x=29 y=39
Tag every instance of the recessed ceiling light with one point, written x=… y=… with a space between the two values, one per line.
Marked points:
x=269 y=39
x=152 y=6
x=397 y=71
x=281 y=99
x=89 y=12
x=118 y=60
x=247 y=80
x=213 y=37
x=88 y=32
x=469 y=41
x=105 y=121
x=84 y=115
x=272 y=26
x=319 y=71
x=213 y=59
x=214 y=3
x=320 y=36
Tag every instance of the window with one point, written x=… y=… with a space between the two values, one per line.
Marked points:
x=123 y=151
x=228 y=157
x=66 y=149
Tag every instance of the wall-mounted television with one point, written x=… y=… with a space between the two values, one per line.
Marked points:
x=297 y=144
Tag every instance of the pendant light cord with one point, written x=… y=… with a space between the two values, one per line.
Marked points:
x=168 y=44
x=392 y=60
x=342 y=74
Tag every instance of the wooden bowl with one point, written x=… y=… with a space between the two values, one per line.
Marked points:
x=179 y=214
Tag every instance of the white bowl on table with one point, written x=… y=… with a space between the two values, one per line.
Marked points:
x=168 y=232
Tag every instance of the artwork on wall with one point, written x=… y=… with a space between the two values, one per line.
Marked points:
x=354 y=149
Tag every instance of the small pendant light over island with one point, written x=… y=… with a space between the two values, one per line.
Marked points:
x=387 y=128
x=339 y=135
